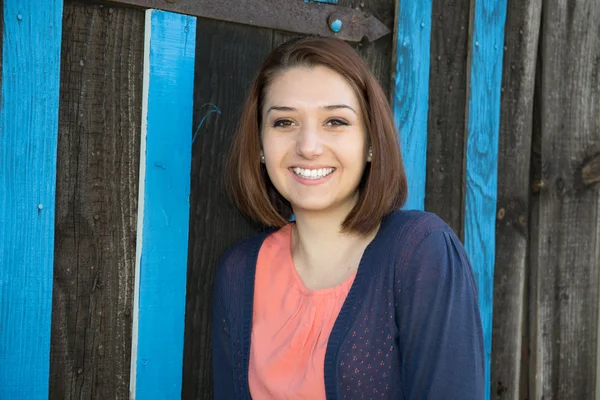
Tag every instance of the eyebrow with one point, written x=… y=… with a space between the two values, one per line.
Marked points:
x=328 y=108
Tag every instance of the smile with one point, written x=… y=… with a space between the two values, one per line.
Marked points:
x=312 y=173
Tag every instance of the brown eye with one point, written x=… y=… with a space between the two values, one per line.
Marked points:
x=283 y=123
x=337 y=122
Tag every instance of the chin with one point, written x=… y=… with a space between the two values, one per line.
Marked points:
x=318 y=205
x=311 y=207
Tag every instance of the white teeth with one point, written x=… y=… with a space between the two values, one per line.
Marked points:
x=313 y=173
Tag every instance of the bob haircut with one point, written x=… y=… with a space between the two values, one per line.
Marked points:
x=383 y=186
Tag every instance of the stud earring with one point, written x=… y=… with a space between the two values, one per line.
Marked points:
x=262 y=158
x=370 y=155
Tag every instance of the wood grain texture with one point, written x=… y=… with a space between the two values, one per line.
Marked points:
x=487 y=48
x=446 y=125
x=31 y=38
x=565 y=247
x=509 y=333
x=163 y=207
x=411 y=93
x=531 y=377
x=97 y=189
x=227 y=57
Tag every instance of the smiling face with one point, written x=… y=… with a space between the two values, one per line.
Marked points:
x=314 y=139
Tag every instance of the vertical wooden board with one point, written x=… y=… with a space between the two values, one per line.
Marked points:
x=567 y=242
x=411 y=92
x=227 y=58
x=487 y=45
x=532 y=378
x=446 y=124
x=512 y=225
x=31 y=39
x=163 y=212
x=96 y=203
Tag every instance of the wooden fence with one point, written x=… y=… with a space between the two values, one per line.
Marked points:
x=114 y=127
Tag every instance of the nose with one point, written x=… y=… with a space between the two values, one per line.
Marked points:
x=309 y=142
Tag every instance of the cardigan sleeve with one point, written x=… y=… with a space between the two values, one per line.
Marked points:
x=441 y=338
x=222 y=359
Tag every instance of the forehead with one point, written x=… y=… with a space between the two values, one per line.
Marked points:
x=310 y=86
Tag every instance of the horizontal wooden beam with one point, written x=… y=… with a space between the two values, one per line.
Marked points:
x=286 y=15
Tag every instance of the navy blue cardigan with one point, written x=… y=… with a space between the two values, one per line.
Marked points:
x=410 y=327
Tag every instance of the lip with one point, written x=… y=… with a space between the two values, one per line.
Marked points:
x=310 y=182
x=304 y=166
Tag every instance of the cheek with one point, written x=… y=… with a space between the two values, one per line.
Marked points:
x=352 y=155
x=275 y=149
x=274 y=155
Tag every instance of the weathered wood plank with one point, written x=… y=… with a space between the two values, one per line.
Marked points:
x=31 y=38
x=509 y=340
x=163 y=211
x=531 y=377
x=97 y=189
x=227 y=57
x=485 y=76
x=411 y=92
x=447 y=109
x=28 y=140
x=286 y=15
x=566 y=246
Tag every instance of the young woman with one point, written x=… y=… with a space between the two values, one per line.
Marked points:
x=355 y=299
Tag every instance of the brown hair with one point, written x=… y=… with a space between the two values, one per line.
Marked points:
x=383 y=187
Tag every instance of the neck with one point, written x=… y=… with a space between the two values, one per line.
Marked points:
x=313 y=230
x=318 y=241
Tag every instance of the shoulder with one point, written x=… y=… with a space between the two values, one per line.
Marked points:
x=421 y=237
x=426 y=248
x=407 y=230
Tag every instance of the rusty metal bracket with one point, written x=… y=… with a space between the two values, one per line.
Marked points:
x=285 y=15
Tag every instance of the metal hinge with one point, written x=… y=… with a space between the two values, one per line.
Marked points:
x=285 y=15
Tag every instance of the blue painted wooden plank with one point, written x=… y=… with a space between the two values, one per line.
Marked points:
x=487 y=50
x=322 y=1
x=411 y=93
x=163 y=209
x=28 y=142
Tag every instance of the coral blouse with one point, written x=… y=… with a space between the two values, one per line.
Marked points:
x=290 y=325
